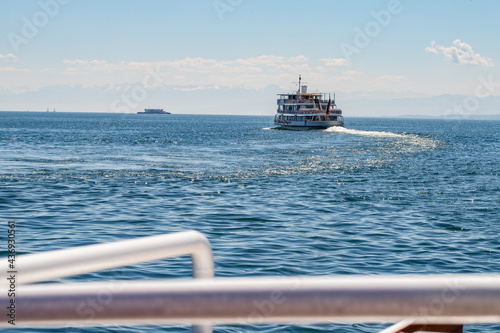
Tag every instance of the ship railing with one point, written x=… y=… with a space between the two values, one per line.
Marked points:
x=438 y=303
x=309 y=111
x=300 y=101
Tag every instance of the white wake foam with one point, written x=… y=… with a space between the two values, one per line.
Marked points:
x=407 y=142
x=339 y=129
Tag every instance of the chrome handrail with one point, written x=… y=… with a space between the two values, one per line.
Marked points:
x=50 y=265
x=447 y=299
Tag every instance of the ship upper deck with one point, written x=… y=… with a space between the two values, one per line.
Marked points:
x=303 y=98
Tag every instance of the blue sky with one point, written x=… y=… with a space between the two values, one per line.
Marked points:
x=88 y=55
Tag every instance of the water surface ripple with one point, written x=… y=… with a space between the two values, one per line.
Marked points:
x=381 y=196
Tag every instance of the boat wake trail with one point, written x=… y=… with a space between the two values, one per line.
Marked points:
x=339 y=129
x=405 y=142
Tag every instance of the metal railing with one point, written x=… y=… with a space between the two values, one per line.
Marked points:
x=309 y=111
x=51 y=265
x=415 y=302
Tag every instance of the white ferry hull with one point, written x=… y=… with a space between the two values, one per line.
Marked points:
x=310 y=125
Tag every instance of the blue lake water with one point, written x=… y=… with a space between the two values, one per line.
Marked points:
x=380 y=196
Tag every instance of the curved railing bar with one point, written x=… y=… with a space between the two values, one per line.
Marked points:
x=51 y=265
x=45 y=266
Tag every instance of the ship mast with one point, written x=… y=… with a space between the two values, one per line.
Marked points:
x=298 y=90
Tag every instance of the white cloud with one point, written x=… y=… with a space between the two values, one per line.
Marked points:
x=299 y=58
x=352 y=73
x=346 y=78
x=13 y=69
x=249 y=72
x=78 y=65
x=460 y=53
x=349 y=76
x=198 y=65
x=263 y=60
x=200 y=74
x=9 y=56
x=335 y=62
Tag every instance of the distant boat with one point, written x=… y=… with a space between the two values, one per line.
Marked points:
x=154 y=111
x=301 y=110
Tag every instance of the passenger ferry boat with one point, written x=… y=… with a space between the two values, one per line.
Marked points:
x=304 y=111
x=154 y=111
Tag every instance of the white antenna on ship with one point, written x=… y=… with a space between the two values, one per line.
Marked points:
x=300 y=79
